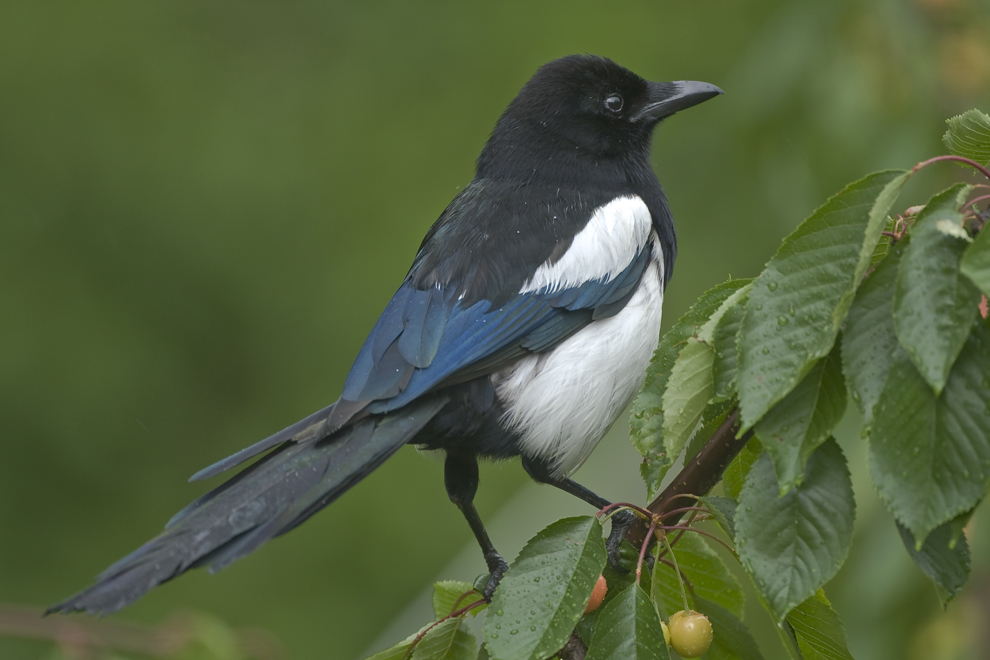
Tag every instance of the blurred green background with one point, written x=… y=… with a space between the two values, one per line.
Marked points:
x=204 y=207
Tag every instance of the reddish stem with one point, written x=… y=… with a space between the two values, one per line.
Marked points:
x=973 y=201
x=642 y=551
x=703 y=533
x=420 y=636
x=958 y=159
x=685 y=510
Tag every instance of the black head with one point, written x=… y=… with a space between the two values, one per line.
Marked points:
x=584 y=108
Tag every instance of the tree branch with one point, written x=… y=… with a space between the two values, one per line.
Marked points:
x=700 y=474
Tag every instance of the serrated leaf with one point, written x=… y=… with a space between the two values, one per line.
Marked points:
x=804 y=419
x=629 y=629
x=544 y=592
x=706 y=332
x=975 y=263
x=934 y=304
x=930 y=457
x=869 y=340
x=794 y=544
x=738 y=469
x=818 y=630
x=401 y=650
x=688 y=392
x=969 y=136
x=723 y=511
x=448 y=640
x=724 y=341
x=708 y=576
x=731 y=639
x=800 y=300
x=646 y=419
x=447 y=593
x=948 y=567
x=653 y=469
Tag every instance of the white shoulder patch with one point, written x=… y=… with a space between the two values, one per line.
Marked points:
x=614 y=235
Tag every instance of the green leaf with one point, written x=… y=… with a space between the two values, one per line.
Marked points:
x=646 y=419
x=629 y=629
x=731 y=639
x=969 y=136
x=617 y=582
x=930 y=457
x=399 y=651
x=448 y=640
x=794 y=544
x=818 y=630
x=707 y=574
x=706 y=332
x=448 y=592
x=688 y=392
x=723 y=511
x=653 y=469
x=869 y=340
x=544 y=593
x=724 y=341
x=975 y=263
x=804 y=419
x=735 y=474
x=933 y=304
x=796 y=306
x=948 y=567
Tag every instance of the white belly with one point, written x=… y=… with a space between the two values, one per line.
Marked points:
x=563 y=401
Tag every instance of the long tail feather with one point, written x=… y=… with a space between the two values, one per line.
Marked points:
x=263 y=501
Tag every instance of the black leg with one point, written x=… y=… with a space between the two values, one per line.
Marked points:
x=621 y=521
x=460 y=476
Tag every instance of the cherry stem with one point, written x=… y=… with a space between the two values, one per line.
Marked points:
x=958 y=159
x=685 y=510
x=703 y=533
x=687 y=582
x=673 y=559
x=646 y=515
x=457 y=613
x=678 y=496
x=973 y=201
x=642 y=551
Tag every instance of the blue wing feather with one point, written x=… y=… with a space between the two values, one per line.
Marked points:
x=437 y=337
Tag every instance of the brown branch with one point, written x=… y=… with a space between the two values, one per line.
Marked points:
x=700 y=474
x=88 y=638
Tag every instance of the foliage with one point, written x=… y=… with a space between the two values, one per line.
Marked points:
x=853 y=303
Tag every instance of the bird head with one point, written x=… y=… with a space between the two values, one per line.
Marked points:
x=588 y=108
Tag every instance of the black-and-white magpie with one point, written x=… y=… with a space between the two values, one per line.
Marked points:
x=523 y=328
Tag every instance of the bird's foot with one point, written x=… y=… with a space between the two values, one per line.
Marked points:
x=621 y=522
x=497 y=568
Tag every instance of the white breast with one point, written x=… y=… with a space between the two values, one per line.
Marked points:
x=563 y=401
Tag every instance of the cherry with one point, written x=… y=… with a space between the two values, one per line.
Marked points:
x=690 y=633
x=597 y=595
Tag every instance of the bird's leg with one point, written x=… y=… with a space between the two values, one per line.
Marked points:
x=460 y=476
x=621 y=521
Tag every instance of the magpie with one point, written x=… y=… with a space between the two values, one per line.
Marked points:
x=523 y=328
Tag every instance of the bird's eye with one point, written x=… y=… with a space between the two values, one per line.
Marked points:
x=613 y=103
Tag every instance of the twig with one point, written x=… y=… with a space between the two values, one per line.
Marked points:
x=958 y=159
x=700 y=474
x=81 y=637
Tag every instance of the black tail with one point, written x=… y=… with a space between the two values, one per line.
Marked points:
x=263 y=501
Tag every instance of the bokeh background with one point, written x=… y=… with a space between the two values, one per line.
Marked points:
x=204 y=207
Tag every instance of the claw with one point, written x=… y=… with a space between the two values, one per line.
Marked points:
x=497 y=567
x=620 y=525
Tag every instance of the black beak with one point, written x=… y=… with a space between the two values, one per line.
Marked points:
x=668 y=97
